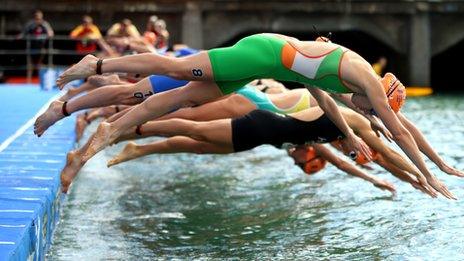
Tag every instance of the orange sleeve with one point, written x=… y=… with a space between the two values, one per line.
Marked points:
x=78 y=30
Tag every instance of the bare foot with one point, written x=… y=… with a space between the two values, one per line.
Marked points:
x=418 y=186
x=129 y=152
x=69 y=94
x=73 y=164
x=84 y=68
x=102 y=80
x=81 y=123
x=48 y=118
x=104 y=136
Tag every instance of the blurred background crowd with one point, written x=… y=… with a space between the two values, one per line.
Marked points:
x=418 y=40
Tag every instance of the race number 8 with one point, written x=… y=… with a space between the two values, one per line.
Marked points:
x=197 y=72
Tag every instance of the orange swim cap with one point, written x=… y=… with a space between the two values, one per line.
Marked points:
x=395 y=91
x=306 y=157
x=360 y=158
x=310 y=153
x=314 y=165
x=303 y=154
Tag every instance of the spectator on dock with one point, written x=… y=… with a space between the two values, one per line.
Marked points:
x=89 y=35
x=149 y=36
x=86 y=30
x=380 y=65
x=162 y=35
x=125 y=28
x=38 y=27
x=121 y=34
x=143 y=44
x=39 y=31
x=156 y=35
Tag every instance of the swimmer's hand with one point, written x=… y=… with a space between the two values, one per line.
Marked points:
x=423 y=188
x=385 y=185
x=379 y=128
x=440 y=187
x=451 y=171
x=354 y=143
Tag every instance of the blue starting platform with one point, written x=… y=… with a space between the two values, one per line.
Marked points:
x=29 y=172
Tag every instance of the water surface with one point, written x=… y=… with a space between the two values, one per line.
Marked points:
x=258 y=205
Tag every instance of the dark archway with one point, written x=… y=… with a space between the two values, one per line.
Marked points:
x=447 y=69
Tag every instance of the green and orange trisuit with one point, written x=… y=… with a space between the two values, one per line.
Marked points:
x=267 y=56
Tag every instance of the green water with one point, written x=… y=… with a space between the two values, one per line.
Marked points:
x=258 y=205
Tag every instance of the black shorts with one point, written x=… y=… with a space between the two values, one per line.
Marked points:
x=264 y=127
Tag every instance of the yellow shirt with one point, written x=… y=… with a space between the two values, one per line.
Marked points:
x=90 y=31
x=131 y=30
x=377 y=68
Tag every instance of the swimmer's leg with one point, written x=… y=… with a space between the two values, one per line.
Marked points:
x=204 y=130
x=74 y=163
x=177 y=144
x=105 y=112
x=81 y=124
x=103 y=80
x=253 y=56
x=153 y=107
x=84 y=119
x=92 y=82
x=128 y=94
x=75 y=160
x=104 y=96
x=74 y=91
x=195 y=67
x=232 y=106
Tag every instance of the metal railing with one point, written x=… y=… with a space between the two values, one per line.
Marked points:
x=19 y=54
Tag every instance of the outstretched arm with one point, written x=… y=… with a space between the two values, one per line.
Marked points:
x=401 y=135
x=376 y=125
x=426 y=148
x=331 y=110
x=361 y=126
x=352 y=169
x=402 y=175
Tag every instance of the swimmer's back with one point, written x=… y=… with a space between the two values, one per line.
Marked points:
x=310 y=48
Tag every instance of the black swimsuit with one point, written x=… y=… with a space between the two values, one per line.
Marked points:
x=264 y=127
